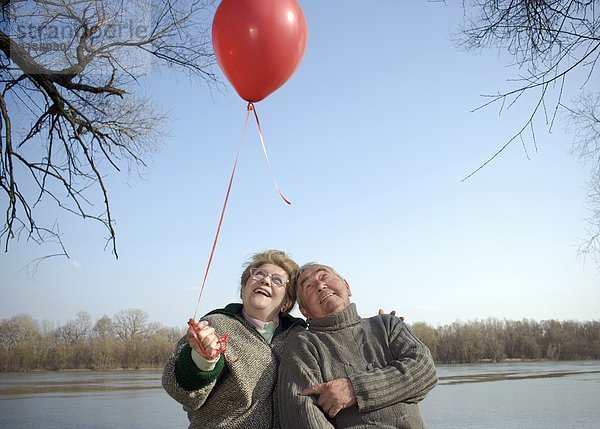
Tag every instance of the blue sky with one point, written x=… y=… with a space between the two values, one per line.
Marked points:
x=369 y=140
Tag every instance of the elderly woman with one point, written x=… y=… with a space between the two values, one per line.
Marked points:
x=237 y=390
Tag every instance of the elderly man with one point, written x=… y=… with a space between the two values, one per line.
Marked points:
x=349 y=372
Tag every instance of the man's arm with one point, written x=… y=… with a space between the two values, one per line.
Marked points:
x=407 y=377
x=298 y=370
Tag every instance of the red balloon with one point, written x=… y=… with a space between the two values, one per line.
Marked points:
x=259 y=44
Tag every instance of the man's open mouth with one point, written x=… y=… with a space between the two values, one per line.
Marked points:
x=326 y=296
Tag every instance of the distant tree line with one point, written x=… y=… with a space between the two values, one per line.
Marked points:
x=496 y=340
x=129 y=340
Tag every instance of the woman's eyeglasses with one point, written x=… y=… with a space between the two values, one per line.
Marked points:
x=276 y=279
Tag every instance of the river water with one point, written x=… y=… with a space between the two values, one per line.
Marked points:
x=509 y=395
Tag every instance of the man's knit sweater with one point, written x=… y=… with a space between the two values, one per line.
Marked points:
x=390 y=370
x=237 y=394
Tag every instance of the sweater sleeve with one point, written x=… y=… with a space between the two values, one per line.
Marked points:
x=184 y=382
x=298 y=370
x=407 y=377
x=189 y=376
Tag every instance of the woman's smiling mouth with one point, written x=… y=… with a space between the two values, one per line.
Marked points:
x=262 y=291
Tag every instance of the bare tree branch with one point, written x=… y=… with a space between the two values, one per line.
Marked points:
x=70 y=72
x=550 y=41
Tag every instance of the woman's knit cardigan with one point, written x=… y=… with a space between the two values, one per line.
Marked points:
x=239 y=394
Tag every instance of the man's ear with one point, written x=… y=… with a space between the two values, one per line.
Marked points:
x=348 y=287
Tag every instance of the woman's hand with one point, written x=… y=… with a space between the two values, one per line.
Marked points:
x=203 y=338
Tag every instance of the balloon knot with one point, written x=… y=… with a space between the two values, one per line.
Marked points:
x=250 y=106
x=222 y=341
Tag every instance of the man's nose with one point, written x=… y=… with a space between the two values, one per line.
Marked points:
x=321 y=286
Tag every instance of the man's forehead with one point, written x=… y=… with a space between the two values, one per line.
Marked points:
x=313 y=269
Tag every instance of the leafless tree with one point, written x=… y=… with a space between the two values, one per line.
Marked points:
x=19 y=330
x=133 y=325
x=75 y=330
x=552 y=42
x=585 y=124
x=103 y=327
x=72 y=108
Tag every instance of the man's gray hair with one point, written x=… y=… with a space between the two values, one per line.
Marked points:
x=306 y=267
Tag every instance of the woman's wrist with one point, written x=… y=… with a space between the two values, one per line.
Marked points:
x=203 y=363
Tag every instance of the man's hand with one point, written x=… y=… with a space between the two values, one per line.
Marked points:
x=334 y=396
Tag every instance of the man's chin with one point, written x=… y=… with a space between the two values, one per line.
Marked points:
x=331 y=306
